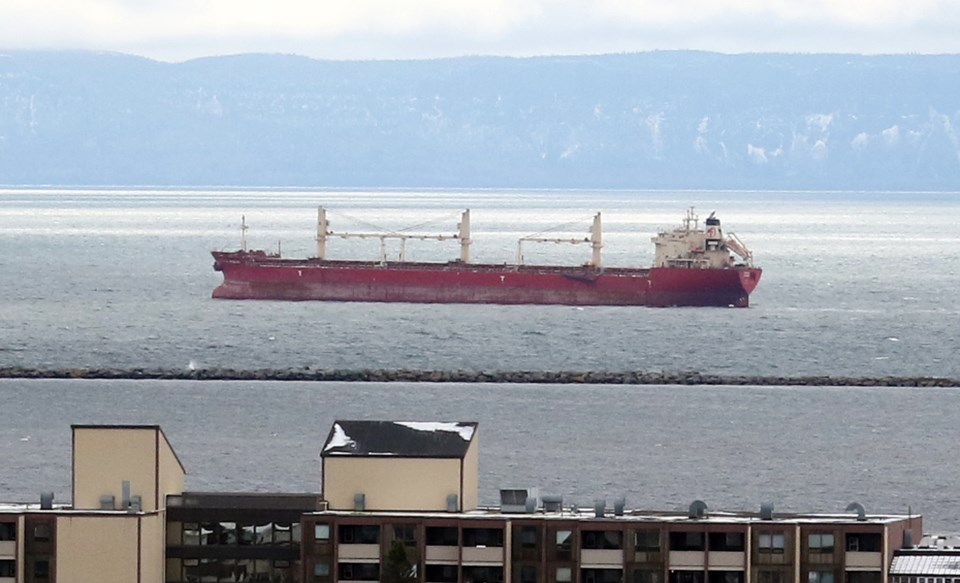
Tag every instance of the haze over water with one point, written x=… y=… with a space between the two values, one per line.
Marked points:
x=853 y=284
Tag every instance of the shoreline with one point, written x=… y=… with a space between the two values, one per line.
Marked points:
x=464 y=376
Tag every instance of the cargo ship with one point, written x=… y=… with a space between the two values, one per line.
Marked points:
x=694 y=265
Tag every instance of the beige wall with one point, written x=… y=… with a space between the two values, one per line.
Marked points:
x=171 y=472
x=103 y=458
x=471 y=475
x=97 y=548
x=106 y=456
x=103 y=548
x=390 y=483
x=152 y=548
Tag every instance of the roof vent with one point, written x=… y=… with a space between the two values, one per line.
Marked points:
x=136 y=504
x=519 y=500
x=698 y=509
x=108 y=502
x=618 y=505
x=453 y=503
x=552 y=503
x=766 y=511
x=858 y=508
x=46 y=501
x=599 y=507
x=359 y=502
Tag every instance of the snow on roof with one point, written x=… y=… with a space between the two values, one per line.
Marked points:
x=339 y=439
x=399 y=438
x=464 y=430
x=926 y=565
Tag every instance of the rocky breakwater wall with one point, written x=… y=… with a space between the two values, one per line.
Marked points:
x=464 y=376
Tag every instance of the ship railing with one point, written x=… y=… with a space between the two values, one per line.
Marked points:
x=402 y=237
x=522 y=240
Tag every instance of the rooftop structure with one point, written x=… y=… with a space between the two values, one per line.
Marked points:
x=400 y=500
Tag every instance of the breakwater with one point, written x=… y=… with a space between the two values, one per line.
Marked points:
x=464 y=376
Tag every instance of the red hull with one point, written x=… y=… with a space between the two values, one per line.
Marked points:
x=255 y=275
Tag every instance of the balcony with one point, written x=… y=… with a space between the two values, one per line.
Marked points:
x=442 y=554
x=728 y=560
x=863 y=561
x=687 y=560
x=359 y=553
x=482 y=555
x=601 y=558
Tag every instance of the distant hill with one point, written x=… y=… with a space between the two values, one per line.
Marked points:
x=648 y=120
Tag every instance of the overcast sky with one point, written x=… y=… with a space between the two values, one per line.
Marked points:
x=175 y=30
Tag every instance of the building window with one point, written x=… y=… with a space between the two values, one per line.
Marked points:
x=528 y=537
x=282 y=533
x=687 y=541
x=405 y=533
x=601 y=576
x=601 y=539
x=726 y=541
x=441 y=573
x=482 y=574
x=41 y=533
x=228 y=533
x=820 y=577
x=864 y=542
x=871 y=577
x=646 y=576
x=564 y=544
x=359 y=572
x=648 y=541
x=769 y=542
x=321 y=532
x=8 y=531
x=264 y=533
x=360 y=534
x=41 y=569
x=725 y=577
x=442 y=536
x=321 y=569
x=247 y=534
x=820 y=543
x=208 y=533
x=483 y=537
x=528 y=575
x=686 y=576
x=8 y=568
x=564 y=574
x=770 y=576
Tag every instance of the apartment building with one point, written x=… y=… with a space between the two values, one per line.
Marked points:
x=113 y=532
x=399 y=503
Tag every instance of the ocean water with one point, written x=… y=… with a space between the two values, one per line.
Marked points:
x=853 y=284
x=803 y=449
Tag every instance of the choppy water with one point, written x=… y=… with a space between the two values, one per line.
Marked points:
x=853 y=284
x=804 y=449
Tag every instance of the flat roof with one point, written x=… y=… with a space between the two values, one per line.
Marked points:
x=712 y=517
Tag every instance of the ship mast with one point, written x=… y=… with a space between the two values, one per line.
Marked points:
x=464 y=235
x=596 y=240
x=243 y=232
x=322 y=233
